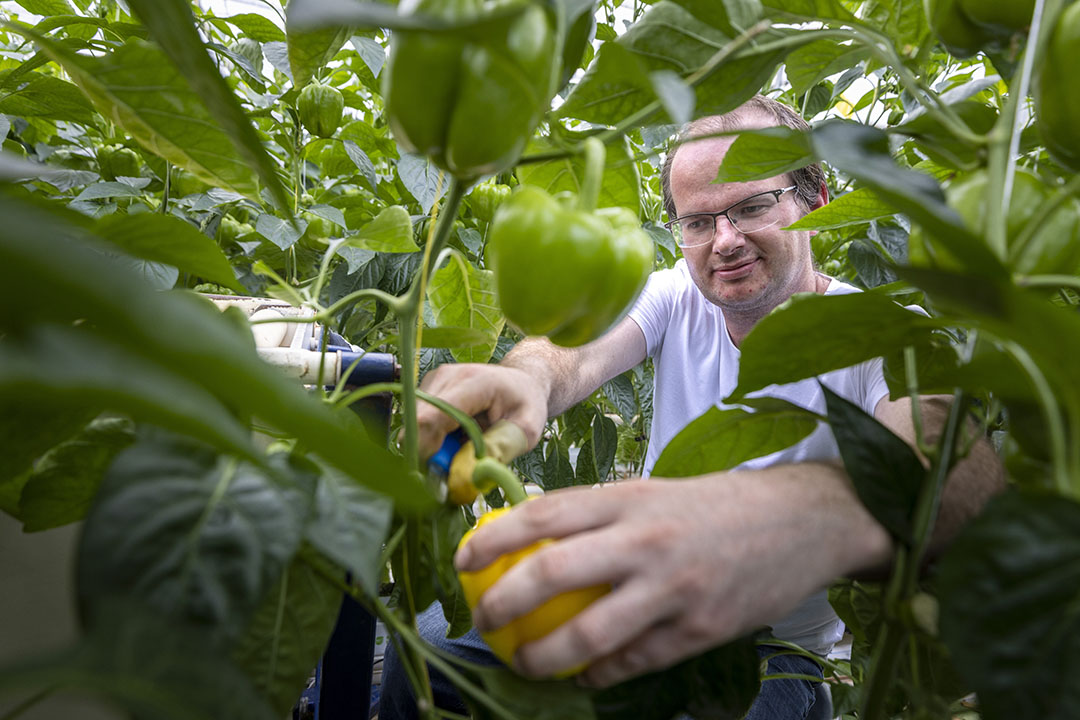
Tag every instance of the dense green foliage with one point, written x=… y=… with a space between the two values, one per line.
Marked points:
x=154 y=157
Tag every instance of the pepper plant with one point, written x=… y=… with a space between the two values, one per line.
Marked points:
x=351 y=158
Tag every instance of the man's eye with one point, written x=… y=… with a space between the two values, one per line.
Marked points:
x=696 y=224
x=752 y=210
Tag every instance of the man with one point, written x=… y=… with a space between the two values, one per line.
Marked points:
x=698 y=562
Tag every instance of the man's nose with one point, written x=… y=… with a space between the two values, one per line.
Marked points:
x=726 y=237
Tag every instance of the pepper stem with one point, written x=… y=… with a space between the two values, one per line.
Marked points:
x=595 y=153
x=490 y=471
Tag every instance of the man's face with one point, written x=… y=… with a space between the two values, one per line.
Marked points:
x=742 y=273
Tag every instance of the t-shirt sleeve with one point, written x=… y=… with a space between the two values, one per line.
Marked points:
x=652 y=311
x=874 y=379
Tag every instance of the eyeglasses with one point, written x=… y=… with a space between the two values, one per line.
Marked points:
x=752 y=214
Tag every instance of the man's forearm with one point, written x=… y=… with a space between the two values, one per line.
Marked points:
x=569 y=375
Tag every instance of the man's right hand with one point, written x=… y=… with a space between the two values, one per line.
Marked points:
x=488 y=392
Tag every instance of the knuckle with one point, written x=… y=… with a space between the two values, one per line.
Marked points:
x=593 y=639
x=548 y=565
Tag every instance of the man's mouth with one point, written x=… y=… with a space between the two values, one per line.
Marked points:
x=737 y=270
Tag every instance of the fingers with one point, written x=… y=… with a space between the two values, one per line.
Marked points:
x=599 y=632
x=556 y=515
x=658 y=647
x=498 y=392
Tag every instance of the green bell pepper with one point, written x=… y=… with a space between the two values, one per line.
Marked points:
x=470 y=98
x=565 y=272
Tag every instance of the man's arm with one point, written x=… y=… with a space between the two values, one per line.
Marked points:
x=535 y=381
x=694 y=563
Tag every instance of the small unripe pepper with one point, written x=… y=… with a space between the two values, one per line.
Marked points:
x=320 y=108
x=534 y=625
x=1057 y=92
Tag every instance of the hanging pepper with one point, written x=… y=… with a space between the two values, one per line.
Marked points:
x=320 y=108
x=470 y=97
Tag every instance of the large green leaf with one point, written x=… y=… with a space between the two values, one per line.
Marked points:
x=349 y=524
x=64 y=483
x=853 y=208
x=28 y=429
x=1010 y=587
x=621 y=184
x=860 y=326
x=289 y=633
x=863 y=153
x=390 y=231
x=172 y=25
x=310 y=51
x=170 y=240
x=138 y=88
x=718 y=685
x=721 y=439
x=201 y=538
x=57 y=362
x=536 y=700
x=816 y=61
x=885 y=471
x=184 y=334
x=617 y=84
x=763 y=154
x=145 y=664
x=461 y=295
x=48 y=97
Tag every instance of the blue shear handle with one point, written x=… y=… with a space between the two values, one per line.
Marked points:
x=439 y=463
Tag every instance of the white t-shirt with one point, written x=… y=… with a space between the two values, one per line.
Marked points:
x=697 y=366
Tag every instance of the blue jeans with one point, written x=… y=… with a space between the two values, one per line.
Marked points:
x=778 y=699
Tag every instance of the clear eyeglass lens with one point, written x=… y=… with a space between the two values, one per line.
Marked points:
x=751 y=215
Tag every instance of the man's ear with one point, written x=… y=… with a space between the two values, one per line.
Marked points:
x=822 y=197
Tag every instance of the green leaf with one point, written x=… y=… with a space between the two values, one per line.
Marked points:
x=447 y=529
x=282 y=233
x=817 y=10
x=28 y=429
x=138 y=88
x=349 y=524
x=201 y=538
x=185 y=335
x=38 y=362
x=257 y=27
x=861 y=326
x=597 y=453
x=1051 y=335
x=621 y=184
x=147 y=665
x=390 y=231
x=64 y=483
x=730 y=16
x=853 y=208
x=310 y=51
x=289 y=633
x=816 y=61
x=863 y=153
x=667 y=37
x=363 y=163
x=462 y=295
x=172 y=25
x=102 y=190
x=720 y=684
x=558 y=472
x=47 y=7
x=455 y=337
x=722 y=439
x=765 y=153
x=48 y=97
x=536 y=700
x=424 y=181
x=619 y=391
x=676 y=96
x=168 y=239
x=885 y=471
x=1009 y=587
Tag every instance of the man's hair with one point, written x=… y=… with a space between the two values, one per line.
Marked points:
x=807 y=180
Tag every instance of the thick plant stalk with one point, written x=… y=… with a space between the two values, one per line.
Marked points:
x=903 y=583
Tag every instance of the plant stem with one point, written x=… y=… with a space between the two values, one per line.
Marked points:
x=491 y=470
x=594 y=173
x=903 y=583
